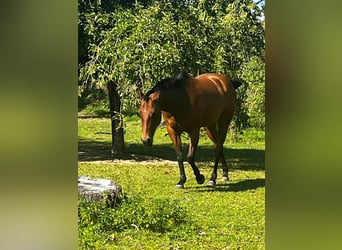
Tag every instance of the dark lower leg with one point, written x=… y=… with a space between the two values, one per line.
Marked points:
x=176 y=139
x=182 y=176
x=194 y=137
x=224 y=168
x=214 y=173
x=218 y=155
x=199 y=177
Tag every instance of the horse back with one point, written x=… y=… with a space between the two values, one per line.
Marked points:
x=211 y=95
x=198 y=102
x=211 y=88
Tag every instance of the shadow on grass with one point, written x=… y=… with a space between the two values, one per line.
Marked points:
x=97 y=114
x=244 y=185
x=93 y=151
x=246 y=159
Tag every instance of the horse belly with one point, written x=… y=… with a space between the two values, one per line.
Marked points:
x=210 y=112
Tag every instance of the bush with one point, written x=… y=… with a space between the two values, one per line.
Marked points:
x=250 y=111
x=97 y=222
x=93 y=99
x=255 y=101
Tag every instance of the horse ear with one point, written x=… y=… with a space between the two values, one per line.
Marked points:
x=140 y=93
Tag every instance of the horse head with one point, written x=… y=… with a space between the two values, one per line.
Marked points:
x=150 y=115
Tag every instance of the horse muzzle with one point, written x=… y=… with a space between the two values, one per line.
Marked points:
x=147 y=142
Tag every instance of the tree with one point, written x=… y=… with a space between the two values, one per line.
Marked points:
x=136 y=45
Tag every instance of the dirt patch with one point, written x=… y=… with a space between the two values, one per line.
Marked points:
x=134 y=159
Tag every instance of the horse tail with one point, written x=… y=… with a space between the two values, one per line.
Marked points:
x=236 y=83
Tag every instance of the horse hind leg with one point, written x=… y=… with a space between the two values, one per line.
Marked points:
x=212 y=132
x=218 y=156
x=223 y=128
x=217 y=133
x=224 y=168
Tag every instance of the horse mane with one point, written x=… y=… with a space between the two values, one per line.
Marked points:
x=168 y=83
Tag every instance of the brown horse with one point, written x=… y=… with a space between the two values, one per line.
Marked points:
x=188 y=103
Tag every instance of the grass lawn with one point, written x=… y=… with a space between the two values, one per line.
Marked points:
x=155 y=215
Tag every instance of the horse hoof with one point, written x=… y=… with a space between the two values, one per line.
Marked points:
x=200 y=179
x=179 y=186
x=225 y=178
x=211 y=183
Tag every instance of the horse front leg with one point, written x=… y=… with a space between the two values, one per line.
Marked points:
x=182 y=176
x=178 y=149
x=177 y=143
x=194 y=137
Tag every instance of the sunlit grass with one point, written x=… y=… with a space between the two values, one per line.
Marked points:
x=230 y=216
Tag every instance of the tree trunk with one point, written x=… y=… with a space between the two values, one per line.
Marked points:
x=117 y=120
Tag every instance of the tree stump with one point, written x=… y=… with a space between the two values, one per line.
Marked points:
x=102 y=190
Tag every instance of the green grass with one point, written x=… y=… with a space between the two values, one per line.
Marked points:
x=155 y=215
